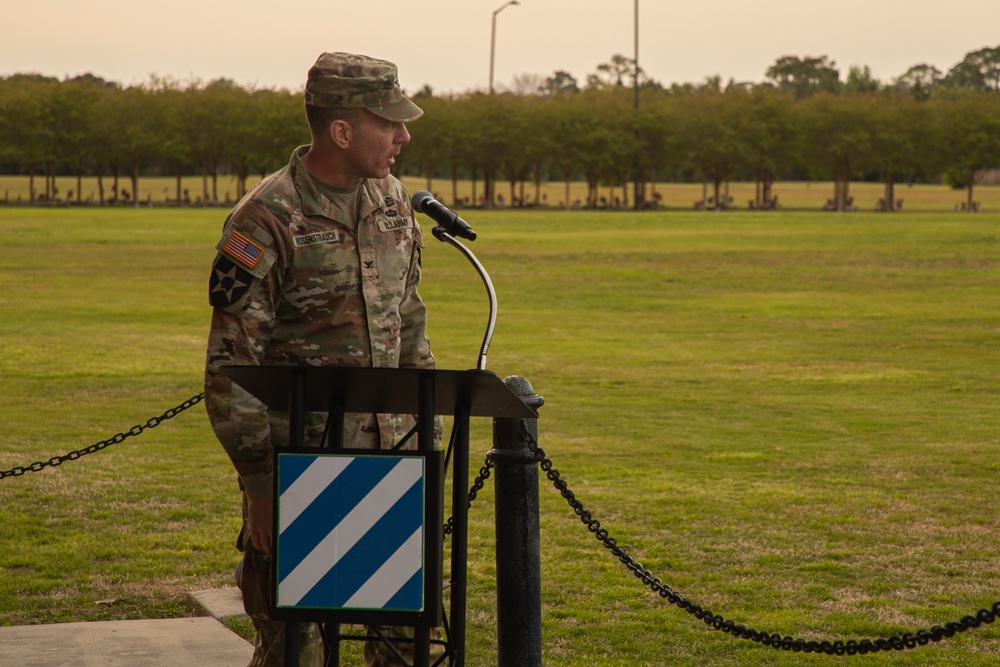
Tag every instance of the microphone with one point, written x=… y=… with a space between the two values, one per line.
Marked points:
x=425 y=203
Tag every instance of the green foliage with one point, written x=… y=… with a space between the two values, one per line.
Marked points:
x=979 y=70
x=860 y=80
x=790 y=418
x=619 y=72
x=919 y=81
x=560 y=83
x=958 y=179
x=803 y=123
x=805 y=76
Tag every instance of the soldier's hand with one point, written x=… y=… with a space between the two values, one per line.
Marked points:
x=260 y=520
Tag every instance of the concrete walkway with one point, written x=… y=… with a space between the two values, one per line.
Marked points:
x=175 y=642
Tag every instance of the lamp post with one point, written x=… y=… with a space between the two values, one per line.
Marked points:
x=490 y=176
x=637 y=189
x=493 y=36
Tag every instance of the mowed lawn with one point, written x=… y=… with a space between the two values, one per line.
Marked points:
x=789 y=417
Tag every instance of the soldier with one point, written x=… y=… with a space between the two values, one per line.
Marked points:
x=318 y=264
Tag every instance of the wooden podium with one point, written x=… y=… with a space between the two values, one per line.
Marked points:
x=337 y=390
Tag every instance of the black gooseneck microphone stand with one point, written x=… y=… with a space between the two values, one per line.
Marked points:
x=442 y=234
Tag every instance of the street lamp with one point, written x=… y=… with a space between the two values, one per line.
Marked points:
x=493 y=36
x=490 y=176
x=638 y=188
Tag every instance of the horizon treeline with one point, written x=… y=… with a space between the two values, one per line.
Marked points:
x=803 y=123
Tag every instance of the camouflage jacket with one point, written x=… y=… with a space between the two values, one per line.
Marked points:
x=295 y=283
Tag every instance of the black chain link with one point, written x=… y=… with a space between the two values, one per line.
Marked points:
x=477 y=486
x=98 y=446
x=716 y=621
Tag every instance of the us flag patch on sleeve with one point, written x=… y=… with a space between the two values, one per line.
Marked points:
x=242 y=249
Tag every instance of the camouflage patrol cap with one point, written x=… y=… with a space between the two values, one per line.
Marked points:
x=350 y=81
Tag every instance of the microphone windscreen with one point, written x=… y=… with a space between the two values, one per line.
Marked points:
x=421 y=198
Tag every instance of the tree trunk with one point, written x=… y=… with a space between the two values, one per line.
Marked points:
x=972 y=184
x=31 y=183
x=454 y=185
x=490 y=186
x=890 y=193
x=241 y=182
x=180 y=174
x=842 y=193
x=429 y=174
x=79 y=186
x=100 y=186
x=591 y=192
x=716 y=183
x=135 y=183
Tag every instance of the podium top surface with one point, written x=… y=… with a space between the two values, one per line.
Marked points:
x=381 y=390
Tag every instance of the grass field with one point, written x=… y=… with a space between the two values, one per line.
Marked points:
x=791 y=418
x=678 y=196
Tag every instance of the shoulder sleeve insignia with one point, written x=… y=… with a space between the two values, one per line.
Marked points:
x=228 y=284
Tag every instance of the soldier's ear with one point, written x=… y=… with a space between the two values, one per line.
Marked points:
x=341 y=132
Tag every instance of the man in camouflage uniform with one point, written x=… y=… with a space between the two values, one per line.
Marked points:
x=318 y=264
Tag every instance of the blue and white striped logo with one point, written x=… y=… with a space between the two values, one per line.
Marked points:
x=350 y=532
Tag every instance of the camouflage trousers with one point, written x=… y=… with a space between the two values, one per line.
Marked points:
x=269 y=642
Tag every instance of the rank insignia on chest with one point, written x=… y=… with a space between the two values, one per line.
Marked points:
x=242 y=249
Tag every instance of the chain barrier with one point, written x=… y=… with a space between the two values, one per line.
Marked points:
x=138 y=429
x=477 y=486
x=717 y=622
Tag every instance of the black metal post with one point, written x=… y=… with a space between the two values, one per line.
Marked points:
x=331 y=631
x=296 y=438
x=459 y=537
x=518 y=551
x=425 y=442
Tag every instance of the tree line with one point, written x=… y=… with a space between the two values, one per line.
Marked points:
x=619 y=128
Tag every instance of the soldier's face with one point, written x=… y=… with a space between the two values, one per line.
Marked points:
x=375 y=143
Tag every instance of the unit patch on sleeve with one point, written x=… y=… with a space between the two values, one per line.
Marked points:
x=242 y=249
x=229 y=283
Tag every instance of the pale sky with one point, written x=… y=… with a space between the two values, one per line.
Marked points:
x=446 y=43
